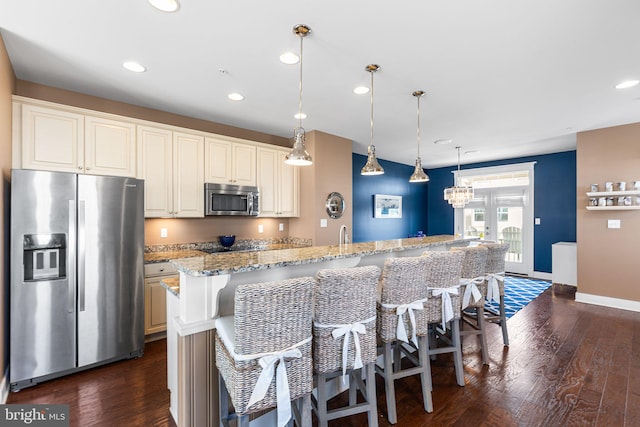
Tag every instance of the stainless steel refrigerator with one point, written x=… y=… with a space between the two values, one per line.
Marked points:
x=77 y=274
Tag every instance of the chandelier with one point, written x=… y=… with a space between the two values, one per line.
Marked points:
x=418 y=174
x=299 y=155
x=458 y=196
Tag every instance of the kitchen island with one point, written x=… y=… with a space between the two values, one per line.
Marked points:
x=206 y=290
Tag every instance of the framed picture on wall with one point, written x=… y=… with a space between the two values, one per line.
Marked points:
x=385 y=206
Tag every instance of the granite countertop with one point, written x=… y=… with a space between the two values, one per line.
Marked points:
x=172 y=284
x=164 y=253
x=164 y=256
x=237 y=262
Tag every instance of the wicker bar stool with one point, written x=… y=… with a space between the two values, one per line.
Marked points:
x=443 y=307
x=263 y=351
x=400 y=315
x=494 y=275
x=344 y=339
x=473 y=288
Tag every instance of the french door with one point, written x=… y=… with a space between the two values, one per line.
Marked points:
x=501 y=214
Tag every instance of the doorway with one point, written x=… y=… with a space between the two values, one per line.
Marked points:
x=501 y=211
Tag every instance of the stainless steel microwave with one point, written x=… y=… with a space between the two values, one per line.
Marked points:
x=225 y=199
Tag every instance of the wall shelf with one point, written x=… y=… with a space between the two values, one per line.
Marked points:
x=613 y=193
x=613 y=208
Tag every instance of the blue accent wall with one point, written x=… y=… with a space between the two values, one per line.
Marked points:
x=425 y=209
x=395 y=182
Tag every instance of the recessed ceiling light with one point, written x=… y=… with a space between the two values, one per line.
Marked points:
x=627 y=83
x=442 y=141
x=361 y=90
x=235 y=96
x=300 y=115
x=289 y=58
x=165 y=5
x=134 y=66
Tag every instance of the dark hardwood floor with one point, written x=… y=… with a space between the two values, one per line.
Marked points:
x=569 y=364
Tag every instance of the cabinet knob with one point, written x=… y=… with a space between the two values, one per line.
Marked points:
x=88 y=168
x=80 y=167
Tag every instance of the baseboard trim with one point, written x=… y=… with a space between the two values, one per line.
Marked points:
x=622 y=304
x=4 y=387
x=541 y=275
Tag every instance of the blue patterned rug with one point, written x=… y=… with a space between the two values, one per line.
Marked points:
x=518 y=292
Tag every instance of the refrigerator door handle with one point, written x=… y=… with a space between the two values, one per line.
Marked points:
x=71 y=259
x=81 y=254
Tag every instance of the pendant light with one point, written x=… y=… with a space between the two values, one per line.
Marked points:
x=458 y=196
x=372 y=167
x=299 y=155
x=418 y=174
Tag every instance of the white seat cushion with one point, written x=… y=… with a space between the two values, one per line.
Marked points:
x=225 y=329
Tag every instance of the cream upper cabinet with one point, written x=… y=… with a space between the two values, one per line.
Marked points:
x=172 y=166
x=59 y=140
x=52 y=139
x=110 y=147
x=155 y=166
x=228 y=162
x=278 y=183
x=188 y=175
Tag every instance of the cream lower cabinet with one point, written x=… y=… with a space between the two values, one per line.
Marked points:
x=155 y=297
x=228 y=162
x=279 y=184
x=59 y=140
x=172 y=166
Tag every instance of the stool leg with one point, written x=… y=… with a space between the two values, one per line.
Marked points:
x=306 y=410
x=503 y=322
x=223 y=400
x=353 y=387
x=457 y=353
x=483 y=336
x=372 y=414
x=322 y=401
x=425 y=374
x=388 y=383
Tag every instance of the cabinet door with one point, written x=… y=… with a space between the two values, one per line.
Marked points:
x=217 y=161
x=52 y=140
x=289 y=187
x=155 y=166
x=267 y=181
x=229 y=162
x=110 y=147
x=188 y=174
x=155 y=306
x=244 y=164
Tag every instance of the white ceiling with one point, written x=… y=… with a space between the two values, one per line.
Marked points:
x=506 y=78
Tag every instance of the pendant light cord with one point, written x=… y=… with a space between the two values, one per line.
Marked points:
x=418 y=97
x=300 y=99
x=371 y=118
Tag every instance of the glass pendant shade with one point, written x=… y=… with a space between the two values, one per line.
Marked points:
x=299 y=156
x=418 y=174
x=372 y=167
x=458 y=196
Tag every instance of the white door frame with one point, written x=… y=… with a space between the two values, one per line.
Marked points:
x=528 y=210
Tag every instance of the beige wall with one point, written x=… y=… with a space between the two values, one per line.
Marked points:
x=7 y=87
x=331 y=171
x=608 y=258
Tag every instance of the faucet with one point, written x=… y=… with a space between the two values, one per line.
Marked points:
x=343 y=237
